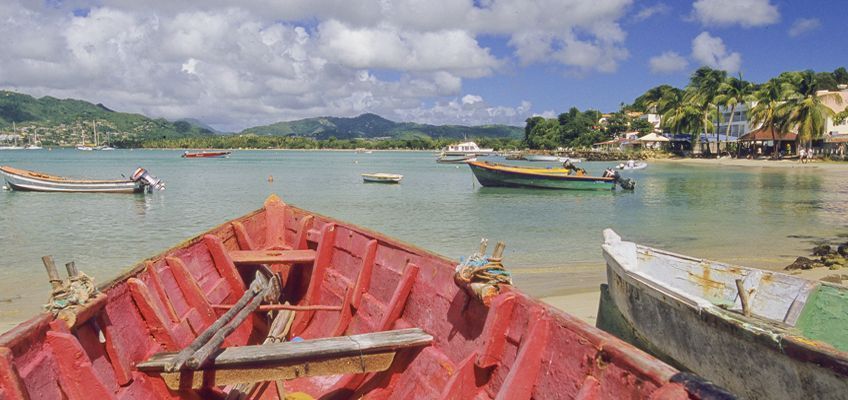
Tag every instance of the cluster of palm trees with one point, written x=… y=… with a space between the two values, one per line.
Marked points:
x=786 y=103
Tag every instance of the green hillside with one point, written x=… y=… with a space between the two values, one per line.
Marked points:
x=65 y=121
x=373 y=126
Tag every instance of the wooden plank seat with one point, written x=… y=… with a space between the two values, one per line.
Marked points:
x=243 y=257
x=371 y=352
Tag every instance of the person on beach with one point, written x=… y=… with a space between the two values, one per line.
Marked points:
x=802 y=155
x=809 y=155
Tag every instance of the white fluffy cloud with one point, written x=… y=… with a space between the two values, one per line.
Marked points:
x=668 y=62
x=804 y=25
x=650 y=11
x=263 y=61
x=747 y=13
x=710 y=51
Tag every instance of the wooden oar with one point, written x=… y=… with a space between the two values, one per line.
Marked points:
x=180 y=359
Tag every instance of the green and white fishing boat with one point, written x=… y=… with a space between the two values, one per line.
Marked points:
x=500 y=175
x=760 y=334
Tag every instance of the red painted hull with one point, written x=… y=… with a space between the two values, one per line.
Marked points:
x=207 y=154
x=515 y=348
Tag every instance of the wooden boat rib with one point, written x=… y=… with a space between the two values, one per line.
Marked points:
x=24 y=180
x=399 y=315
x=689 y=311
x=493 y=174
x=207 y=154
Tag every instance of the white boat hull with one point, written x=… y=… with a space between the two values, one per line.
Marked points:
x=716 y=343
x=382 y=178
x=30 y=184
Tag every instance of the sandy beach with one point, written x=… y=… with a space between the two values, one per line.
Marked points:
x=742 y=162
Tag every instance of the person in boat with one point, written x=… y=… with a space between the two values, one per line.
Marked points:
x=631 y=163
x=572 y=170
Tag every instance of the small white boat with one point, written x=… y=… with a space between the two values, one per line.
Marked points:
x=455 y=159
x=31 y=181
x=382 y=178
x=632 y=165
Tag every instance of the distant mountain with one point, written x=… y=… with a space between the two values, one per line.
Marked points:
x=375 y=126
x=200 y=124
x=65 y=121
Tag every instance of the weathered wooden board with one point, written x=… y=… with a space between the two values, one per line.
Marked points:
x=309 y=349
x=328 y=356
x=290 y=370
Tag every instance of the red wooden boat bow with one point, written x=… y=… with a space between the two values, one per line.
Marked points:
x=355 y=295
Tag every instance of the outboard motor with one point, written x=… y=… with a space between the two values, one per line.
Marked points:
x=625 y=183
x=150 y=181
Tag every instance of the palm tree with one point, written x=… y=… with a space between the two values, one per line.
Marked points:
x=705 y=83
x=805 y=111
x=732 y=92
x=653 y=100
x=681 y=115
x=767 y=112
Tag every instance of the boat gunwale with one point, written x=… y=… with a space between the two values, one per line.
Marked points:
x=773 y=334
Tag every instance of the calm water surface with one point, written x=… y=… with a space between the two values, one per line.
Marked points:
x=754 y=216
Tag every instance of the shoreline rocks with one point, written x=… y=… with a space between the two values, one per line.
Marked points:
x=827 y=257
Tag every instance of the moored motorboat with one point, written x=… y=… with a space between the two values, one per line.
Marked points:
x=24 y=180
x=333 y=311
x=466 y=149
x=207 y=154
x=494 y=174
x=382 y=177
x=760 y=334
x=455 y=159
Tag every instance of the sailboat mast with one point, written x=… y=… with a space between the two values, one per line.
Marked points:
x=94 y=124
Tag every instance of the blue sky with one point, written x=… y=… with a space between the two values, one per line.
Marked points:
x=236 y=65
x=765 y=51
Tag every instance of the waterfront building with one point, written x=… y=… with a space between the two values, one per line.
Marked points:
x=831 y=128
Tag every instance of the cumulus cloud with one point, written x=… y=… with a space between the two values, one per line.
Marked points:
x=468 y=110
x=668 y=62
x=710 y=51
x=746 y=13
x=804 y=25
x=262 y=61
x=650 y=11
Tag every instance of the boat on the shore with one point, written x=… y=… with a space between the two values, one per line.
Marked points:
x=31 y=181
x=759 y=334
x=466 y=149
x=381 y=177
x=311 y=307
x=455 y=159
x=207 y=154
x=500 y=175
x=632 y=165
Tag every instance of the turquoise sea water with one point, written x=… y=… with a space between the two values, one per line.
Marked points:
x=761 y=217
